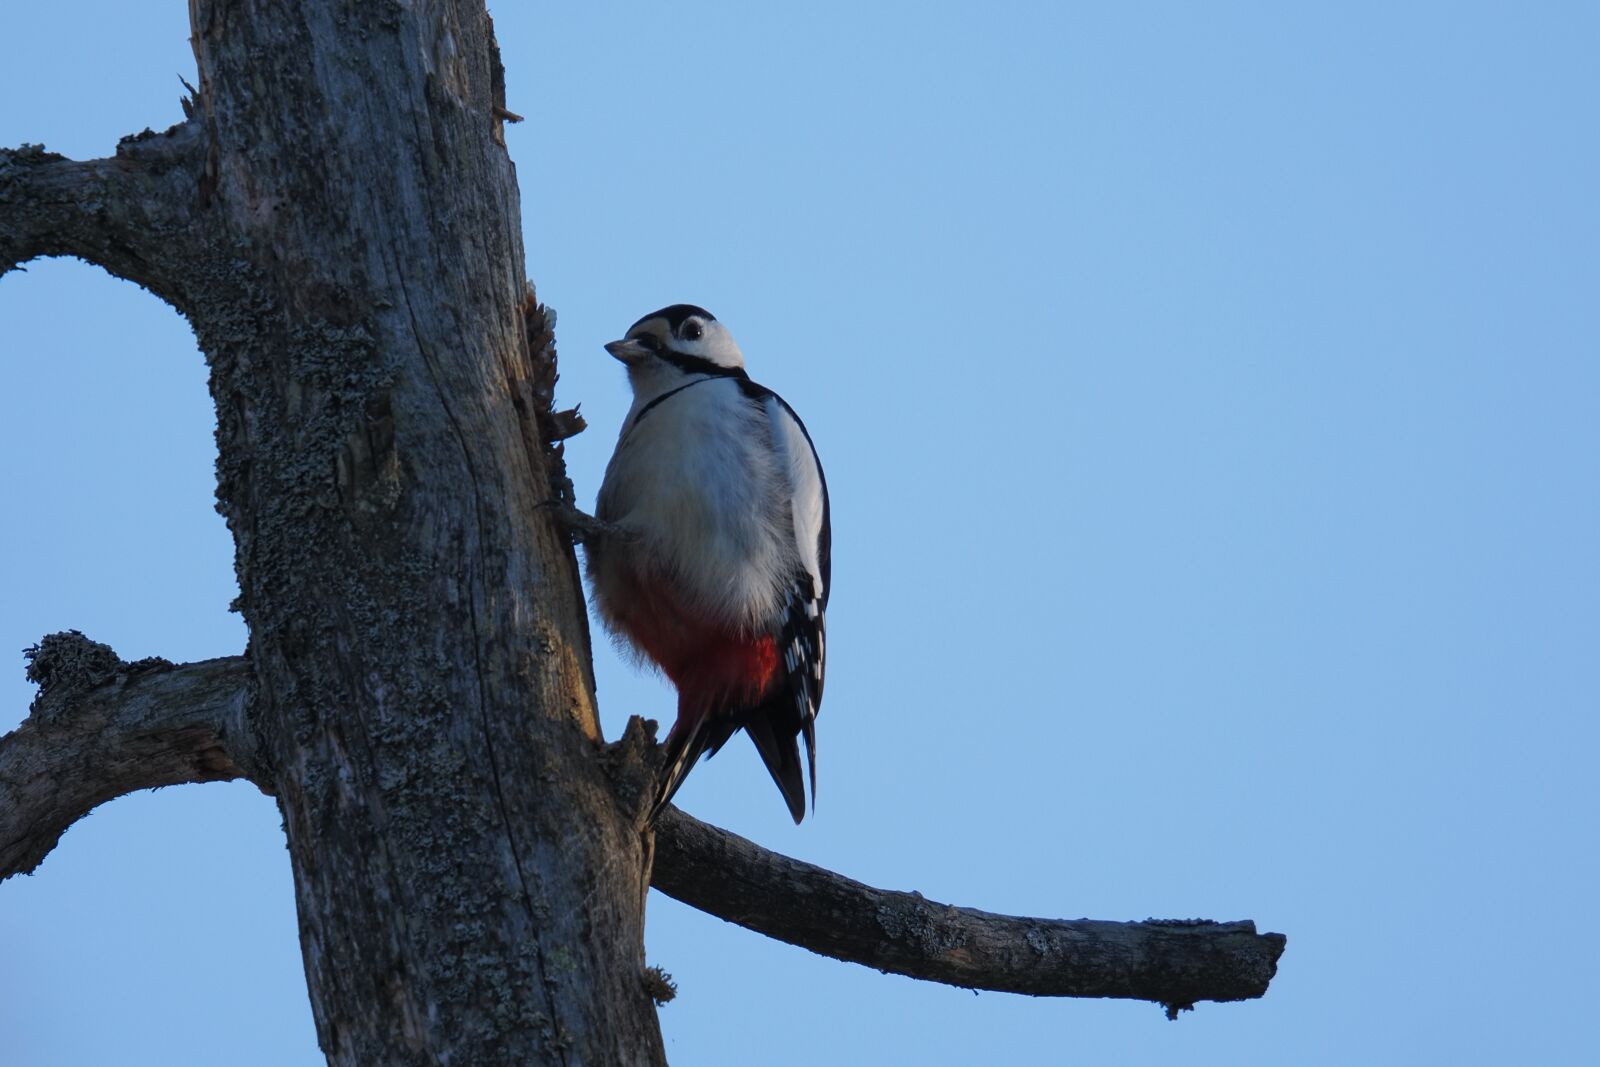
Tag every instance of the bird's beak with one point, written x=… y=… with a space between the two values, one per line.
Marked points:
x=629 y=352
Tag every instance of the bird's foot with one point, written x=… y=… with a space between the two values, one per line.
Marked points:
x=582 y=527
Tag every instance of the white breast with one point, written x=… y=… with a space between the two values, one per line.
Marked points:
x=702 y=485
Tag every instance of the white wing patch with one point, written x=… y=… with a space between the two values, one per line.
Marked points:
x=808 y=495
x=803 y=638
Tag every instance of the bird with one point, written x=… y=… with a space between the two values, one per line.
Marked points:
x=716 y=555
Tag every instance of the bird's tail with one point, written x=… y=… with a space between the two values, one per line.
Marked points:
x=686 y=741
x=780 y=751
x=698 y=731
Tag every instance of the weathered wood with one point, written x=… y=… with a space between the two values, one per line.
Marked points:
x=130 y=213
x=1174 y=963
x=468 y=888
x=101 y=728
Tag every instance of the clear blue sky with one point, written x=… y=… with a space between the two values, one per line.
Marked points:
x=1210 y=397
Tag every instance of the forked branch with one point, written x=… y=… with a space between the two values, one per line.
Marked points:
x=101 y=727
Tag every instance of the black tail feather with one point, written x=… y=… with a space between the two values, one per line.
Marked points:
x=691 y=737
x=685 y=743
x=809 y=729
x=781 y=754
x=771 y=727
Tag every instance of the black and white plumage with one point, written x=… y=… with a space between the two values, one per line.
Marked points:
x=718 y=566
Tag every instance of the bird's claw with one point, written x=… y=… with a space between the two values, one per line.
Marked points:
x=582 y=527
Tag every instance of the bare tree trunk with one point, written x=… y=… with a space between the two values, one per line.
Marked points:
x=339 y=221
x=468 y=889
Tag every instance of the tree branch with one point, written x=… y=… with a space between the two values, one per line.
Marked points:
x=135 y=213
x=101 y=727
x=1173 y=963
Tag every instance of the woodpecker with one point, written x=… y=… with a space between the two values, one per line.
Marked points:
x=715 y=560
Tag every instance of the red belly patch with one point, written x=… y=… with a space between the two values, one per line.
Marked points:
x=715 y=670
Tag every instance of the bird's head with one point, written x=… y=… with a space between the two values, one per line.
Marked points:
x=682 y=337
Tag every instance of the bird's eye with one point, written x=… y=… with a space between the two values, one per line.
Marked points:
x=692 y=330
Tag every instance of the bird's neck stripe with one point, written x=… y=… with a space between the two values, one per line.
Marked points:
x=689 y=365
x=637 y=419
x=697 y=365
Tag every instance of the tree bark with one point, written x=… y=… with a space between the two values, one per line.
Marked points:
x=101 y=728
x=1171 y=962
x=469 y=890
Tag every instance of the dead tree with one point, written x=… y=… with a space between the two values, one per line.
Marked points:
x=339 y=221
